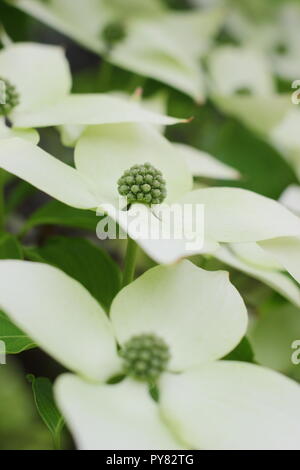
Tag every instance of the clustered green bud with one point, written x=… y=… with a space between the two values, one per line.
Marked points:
x=113 y=33
x=281 y=48
x=9 y=95
x=145 y=357
x=143 y=183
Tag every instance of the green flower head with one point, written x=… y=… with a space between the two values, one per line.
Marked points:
x=145 y=357
x=113 y=33
x=143 y=183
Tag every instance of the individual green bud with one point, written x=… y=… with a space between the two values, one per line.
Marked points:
x=9 y=97
x=139 y=179
x=144 y=184
x=145 y=357
x=148 y=178
x=146 y=188
x=123 y=189
x=135 y=188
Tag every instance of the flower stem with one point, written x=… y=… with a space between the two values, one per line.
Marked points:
x=56 y=442
x=130 y=262
x=104 y=75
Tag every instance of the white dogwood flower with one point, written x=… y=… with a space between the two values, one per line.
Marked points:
x=104 y=153
x=275 y=35
x=172 y=326
x=249 y=94
x=35 y=86
x=153 y=41
x=200 y=163
x=270 y=260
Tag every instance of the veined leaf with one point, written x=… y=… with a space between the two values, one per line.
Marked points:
x=47 y=409
x=9 y=247
x=83 y=261
x=57 y=213
x=15 y=340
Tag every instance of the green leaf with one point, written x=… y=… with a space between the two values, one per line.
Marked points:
x=15 y=340
x=237 y=146
x=243 y=352
x=44 y=399
x=18 y=195
x=57 y=213
x=83 y=261
x=272 y=334
x=9 y=247
x=233 y=144
x=19 y=427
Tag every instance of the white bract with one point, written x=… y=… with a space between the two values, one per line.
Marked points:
x=156 y=103
x=236 y=69
x=42 y=79
x=271 y=115
x=270 y=260
x=27 y=134
x=249 y=95
x=290 y=198
x=203 y=403
x=158 y=43
x=204 y=165
x=285 y=135
x=245 y=88
x=84 y=21
x=254 y=260
x=169 y=49
x=104 y=152
x=40 y=74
